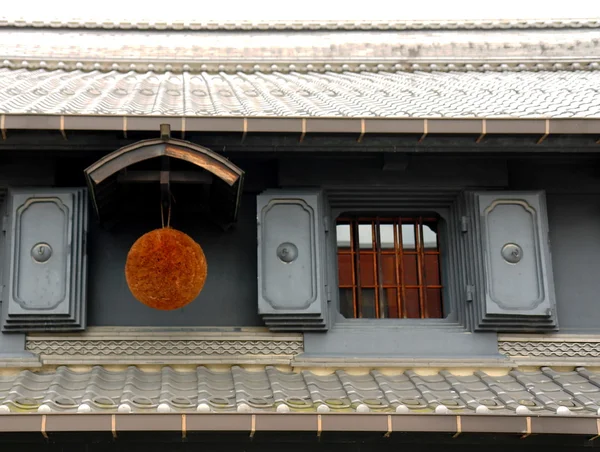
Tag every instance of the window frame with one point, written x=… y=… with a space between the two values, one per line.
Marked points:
x=441 y=218
x=442 y=203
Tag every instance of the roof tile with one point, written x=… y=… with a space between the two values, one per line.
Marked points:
x=161 y=24
x=544 y=392
x=278 y=94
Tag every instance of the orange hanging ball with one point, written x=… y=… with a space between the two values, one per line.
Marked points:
x=166 y=269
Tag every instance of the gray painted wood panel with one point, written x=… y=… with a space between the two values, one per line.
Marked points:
x=291 y=259
x=46 y=260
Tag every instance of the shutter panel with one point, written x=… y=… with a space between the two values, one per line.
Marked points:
x=45 y=278
x=292 y=292
x=512 y=278
x=3 y=259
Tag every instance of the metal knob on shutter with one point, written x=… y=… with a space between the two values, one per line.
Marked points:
x=512 y=253
x=41 y=252
x=287 y=252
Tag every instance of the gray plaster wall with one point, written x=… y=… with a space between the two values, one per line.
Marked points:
x=575 y=239
x=572 y=186
x=229 y=295
x=399 y=339
x=573 y=199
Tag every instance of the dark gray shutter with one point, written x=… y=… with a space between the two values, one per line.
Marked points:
x=510 y=281
x=292 y=283
x=46 y=260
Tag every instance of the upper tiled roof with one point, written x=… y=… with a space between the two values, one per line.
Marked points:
x=497 y=69
x=419 y=94
x=161 y=24
x=541 y=392
x=242 y=50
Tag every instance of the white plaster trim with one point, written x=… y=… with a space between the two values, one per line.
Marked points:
x=400 y=363
x=522 y=64
x=551 y=349
x=102 y=345
x=549 y=337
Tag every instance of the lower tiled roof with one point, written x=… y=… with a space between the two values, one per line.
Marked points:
x=268 y=389
x=543 y=94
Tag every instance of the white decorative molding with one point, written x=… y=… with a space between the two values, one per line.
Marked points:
x=393 y=65
x=165 y=346
x=551 y=349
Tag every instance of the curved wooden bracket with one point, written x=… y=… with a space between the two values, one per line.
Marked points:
x=110 y=165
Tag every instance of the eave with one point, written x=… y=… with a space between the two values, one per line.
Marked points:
x=361 y=128
x=313 y=426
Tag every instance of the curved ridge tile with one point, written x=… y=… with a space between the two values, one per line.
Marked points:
x=400 y=391
x=363 y=390
x=473 y=392
x=289 y=389
x=28 y=391
x=216 y=390
x=141 y=391
x=546 y=392
x=179 y=390
x=252 y=389
x=436 y=391
x=65 y=390
x=327 y=391
x=104 y=389
x=577 y=387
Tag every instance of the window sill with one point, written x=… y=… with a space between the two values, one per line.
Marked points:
x=343 y=323
x=366 y=339
x=472 y=362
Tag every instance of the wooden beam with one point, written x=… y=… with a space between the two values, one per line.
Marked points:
x=184 y=177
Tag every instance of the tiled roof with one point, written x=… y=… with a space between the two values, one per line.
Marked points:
x=541 y=392
x=100 y=49
x=418 y=94
x=161 y=24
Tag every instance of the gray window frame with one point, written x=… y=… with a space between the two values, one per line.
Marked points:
x=451 y=265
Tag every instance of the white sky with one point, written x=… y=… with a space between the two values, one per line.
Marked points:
x=264 y=10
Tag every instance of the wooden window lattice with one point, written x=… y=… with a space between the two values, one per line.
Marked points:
x=389 y=267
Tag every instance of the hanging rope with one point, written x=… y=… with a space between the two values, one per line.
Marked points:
x=162 y=215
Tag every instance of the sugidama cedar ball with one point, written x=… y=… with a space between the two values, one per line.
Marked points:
x=165 y=269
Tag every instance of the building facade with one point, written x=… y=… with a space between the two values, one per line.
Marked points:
x=399 y=221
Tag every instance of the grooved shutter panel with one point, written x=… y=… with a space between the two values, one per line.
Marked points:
x=511 y=279
x=46 y=265
x=292 y=291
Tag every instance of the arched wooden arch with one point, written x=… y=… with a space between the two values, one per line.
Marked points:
x=230 y=178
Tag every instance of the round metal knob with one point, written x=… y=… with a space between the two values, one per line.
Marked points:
x=287 y=252
x=512 y=253
x=41 y=252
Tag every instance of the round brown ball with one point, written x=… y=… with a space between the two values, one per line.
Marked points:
x=166 y=269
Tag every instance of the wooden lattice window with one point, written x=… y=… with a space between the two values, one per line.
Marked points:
x=389 y=267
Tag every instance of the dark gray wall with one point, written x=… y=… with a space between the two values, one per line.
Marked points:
x=420 y=171
x=229 y=295
x=573 y=189
x=573 y=198
x=575 y=239
x=401 y=339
